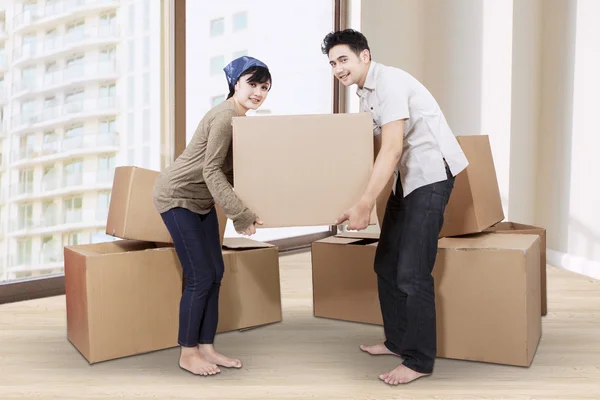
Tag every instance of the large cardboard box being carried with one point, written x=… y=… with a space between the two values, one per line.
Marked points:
x=131 y=213
x=302 y=170
x=123 y=296
x=344 y=282
x=488 y=298
x=487 y=290
x=475 y=202
x=513 y=227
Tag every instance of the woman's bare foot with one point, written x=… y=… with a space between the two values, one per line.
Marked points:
x=209 y=353
x=192 y=361
x=377 y=350
x=401 y=374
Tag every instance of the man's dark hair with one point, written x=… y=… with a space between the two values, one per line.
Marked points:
x=259 y=75
x=354 y=39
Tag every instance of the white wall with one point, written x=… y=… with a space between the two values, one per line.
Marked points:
x=525 y=73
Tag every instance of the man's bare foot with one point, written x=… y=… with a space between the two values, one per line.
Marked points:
x=377 y=350
x=401 y=374
x=192 y=361
x=209 y=353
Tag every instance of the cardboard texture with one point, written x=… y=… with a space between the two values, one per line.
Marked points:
x=131 y=213
x=302 y=170
x=513 y=227
x=487 y=289
x=344 y=282
x=475 y=202
x=122 y=298
x=488 y=298
x=250 y=293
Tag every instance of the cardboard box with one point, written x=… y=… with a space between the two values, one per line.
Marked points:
x=131 y=213
x=487 y=289
x=250 y=293
x=488 y=298
x=302 y=170
x=513 y=227
x=122 y=298
x=344 y=281
x=475 y=202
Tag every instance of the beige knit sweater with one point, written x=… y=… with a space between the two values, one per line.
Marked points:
x=203 y=173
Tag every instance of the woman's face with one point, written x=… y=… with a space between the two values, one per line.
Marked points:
x=250 y=95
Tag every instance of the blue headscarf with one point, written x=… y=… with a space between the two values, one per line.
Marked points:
x=234 y=69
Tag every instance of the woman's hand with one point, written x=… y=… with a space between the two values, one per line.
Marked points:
x=251 y=230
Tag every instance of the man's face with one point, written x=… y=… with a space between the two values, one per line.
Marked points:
x=347 y=66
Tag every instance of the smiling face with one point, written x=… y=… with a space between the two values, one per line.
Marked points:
x=250 y=95
x=348 y=67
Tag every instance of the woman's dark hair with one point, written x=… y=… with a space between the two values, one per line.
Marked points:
x=354 y=39
x=258 y=75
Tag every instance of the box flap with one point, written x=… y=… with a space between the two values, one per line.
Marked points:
x=239 y=243
x=349 y=240
x=114 y=247
x=359 y=235
x=512 y=226
x=489 y=241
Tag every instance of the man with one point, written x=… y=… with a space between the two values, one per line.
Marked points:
x=414 y=142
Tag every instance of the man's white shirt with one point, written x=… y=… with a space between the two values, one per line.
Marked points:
x=392 y=94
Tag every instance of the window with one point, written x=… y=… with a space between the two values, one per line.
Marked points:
x=74 y=67
x=25 y=216
x=102 y=206
x=107 y=126
x=240 y=53
x=75 y=32
x=63 y=130
x=73 y=174
x=205 y=80
x=217 y=64
x=217 y=27
x=73 y=210
x=217 y=100
x=131 y=129
x=28 y=78
x=24 y=255
x=73 y=137
x=240 y=21
x=107 y=25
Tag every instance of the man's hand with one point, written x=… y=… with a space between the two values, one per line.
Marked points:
x=251 y=230
x=358 y=217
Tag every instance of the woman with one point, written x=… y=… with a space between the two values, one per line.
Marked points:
x=185 y=194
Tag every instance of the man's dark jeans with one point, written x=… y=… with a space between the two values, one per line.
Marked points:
x=403 y=262
x=197 y=242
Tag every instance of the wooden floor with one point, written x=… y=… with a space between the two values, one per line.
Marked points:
x=302 y=357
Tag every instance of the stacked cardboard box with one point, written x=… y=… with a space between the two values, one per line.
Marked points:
x=123 y=296
x=489 y=275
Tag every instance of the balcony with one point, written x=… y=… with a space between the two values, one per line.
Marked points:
x=62 y=45
x=72 y=76
x=65 y=9
x=67 y=147
x=52 y=185
x=61 y=114
x=52 y=222
x=3 y=33
x=21 y=189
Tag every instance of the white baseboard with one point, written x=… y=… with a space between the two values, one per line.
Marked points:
x=573 y=263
